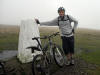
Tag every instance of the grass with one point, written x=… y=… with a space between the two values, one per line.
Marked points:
x=9 y=37
x=8 y=41
x=87 y=41
x=89 y=44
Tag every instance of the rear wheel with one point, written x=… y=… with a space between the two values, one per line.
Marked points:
x=2 y=70
x=40 y=66
x=58 y=55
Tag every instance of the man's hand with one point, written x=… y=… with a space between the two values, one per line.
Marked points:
x=37 y=21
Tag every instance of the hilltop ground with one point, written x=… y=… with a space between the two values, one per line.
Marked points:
x=86 y=48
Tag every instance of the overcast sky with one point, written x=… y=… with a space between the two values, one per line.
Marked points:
x=87 y=12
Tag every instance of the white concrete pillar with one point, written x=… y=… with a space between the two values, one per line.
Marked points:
x=28 y=30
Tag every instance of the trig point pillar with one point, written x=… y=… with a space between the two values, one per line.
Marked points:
x=28 y=30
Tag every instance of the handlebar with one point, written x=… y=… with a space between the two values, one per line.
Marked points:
x=49 y=36
x=46 y=37
x=54 y=34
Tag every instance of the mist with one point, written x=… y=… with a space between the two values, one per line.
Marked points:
x=87 y=12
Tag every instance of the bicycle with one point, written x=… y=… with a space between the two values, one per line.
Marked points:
x=40 y=63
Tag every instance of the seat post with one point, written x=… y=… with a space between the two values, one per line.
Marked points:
x=39 y=43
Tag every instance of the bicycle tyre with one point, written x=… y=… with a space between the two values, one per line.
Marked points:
x=58 y=54
x=2 y=69
x=40 y=66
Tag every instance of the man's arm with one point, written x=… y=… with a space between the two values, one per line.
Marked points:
x=75 y=21
x=50 y=23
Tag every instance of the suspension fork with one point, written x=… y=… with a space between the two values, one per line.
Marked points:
x=57 y=49
x=51 y=47
x=50 y=51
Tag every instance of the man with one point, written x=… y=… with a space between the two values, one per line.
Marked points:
x=67 y=32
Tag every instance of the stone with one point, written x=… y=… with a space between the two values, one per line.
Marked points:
x=28 y=30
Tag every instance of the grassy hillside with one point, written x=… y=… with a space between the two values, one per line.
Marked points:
x=87 y=42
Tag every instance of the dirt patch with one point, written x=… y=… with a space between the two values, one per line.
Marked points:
x=13 y=67
x=79 y=68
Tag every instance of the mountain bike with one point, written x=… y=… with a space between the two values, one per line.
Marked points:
x=41 y=62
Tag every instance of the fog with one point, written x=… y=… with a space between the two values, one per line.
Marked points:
x=87 y=12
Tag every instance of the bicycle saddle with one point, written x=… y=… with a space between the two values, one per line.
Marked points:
x=35 y=38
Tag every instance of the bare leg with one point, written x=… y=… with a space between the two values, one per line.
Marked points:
x=72 y=58
x=71 y=55
x=68 y=56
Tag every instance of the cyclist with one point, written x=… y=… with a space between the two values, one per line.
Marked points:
x=66 y=31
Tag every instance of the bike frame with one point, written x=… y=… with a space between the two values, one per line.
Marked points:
x=50 y=43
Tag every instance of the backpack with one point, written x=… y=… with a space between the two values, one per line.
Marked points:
x=64 y=20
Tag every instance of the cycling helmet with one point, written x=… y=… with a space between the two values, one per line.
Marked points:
x=61 y=9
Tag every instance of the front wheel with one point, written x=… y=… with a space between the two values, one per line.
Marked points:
x=40 y=66
x=58 y=55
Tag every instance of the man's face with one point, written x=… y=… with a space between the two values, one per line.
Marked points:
x=61 y=13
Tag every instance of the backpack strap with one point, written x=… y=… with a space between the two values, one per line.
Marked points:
x=64 y=20
x=68 y=18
